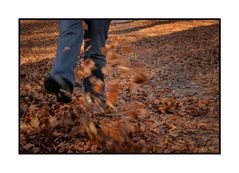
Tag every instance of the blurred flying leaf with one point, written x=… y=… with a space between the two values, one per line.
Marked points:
x=140 y=75
x=123 y=68
x=88 y=48
x=97 y=86
x=112 y=90
x=87 y=66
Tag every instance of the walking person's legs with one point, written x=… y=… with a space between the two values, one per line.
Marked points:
x=62 y=79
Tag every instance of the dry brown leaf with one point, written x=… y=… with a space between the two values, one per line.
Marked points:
x=92 y=128
x=126 y=49
x=112 y=90
x=123 y=68
x=28 y=146
x=172 y=127
x=131 y=86
x=88 y=65
x=132 y=114
x=112 y=56
x=107 y=69
x=140 y=76
x=82 y=51
x=32 y=109
x=144 y=112
x=53 y=121
x=97 y=86
x=35 y=122
x=104 y=51
x=36 y=149
x=88 y=48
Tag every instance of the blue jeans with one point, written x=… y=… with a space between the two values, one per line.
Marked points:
x=70 y=39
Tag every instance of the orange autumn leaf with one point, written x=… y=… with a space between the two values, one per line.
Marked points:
x=104 y=51
x=97 y=86
x=87 y=67
x=126 y=49
x=140 y=76
x=112 y=90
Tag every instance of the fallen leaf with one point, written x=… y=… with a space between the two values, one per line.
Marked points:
x=32 y=109
x=126 y=49
x=28 y=146
x=35 y=122
x=36 y=149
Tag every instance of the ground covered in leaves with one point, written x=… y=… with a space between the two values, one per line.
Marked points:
x=162 y=87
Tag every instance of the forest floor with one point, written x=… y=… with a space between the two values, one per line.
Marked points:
x=162 y=84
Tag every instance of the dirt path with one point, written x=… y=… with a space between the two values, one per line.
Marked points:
x=175 y=111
